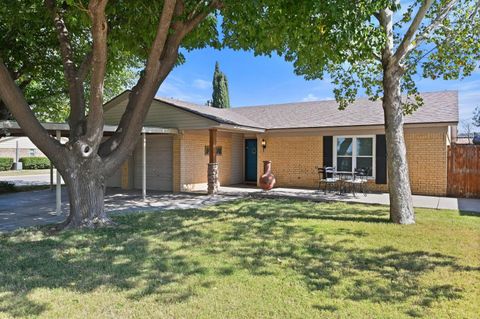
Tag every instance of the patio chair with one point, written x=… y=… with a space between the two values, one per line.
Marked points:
x=327 y=178
x=359 y=181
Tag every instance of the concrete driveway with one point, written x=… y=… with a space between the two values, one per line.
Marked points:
x=27 y=209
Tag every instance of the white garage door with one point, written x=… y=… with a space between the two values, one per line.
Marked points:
x=159 y=163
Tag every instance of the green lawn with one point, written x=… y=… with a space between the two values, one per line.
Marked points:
x=249 y=259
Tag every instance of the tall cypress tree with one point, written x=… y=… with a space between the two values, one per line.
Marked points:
x=220 y=98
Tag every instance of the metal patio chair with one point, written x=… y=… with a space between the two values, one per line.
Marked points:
x=359 y=182
x=327 y=178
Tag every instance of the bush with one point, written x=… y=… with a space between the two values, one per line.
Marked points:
x=6 y=163
x=35 y=162
x=6 y=187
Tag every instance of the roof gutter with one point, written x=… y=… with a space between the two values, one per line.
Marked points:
x=12 y=125
x=239 y=128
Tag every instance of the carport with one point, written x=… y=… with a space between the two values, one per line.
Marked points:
x=59 y=130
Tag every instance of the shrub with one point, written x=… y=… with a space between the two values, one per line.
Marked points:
x=6 y=187
x=35 y=162
x=5 y=163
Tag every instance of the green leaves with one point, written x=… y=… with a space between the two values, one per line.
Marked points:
x=345 y=40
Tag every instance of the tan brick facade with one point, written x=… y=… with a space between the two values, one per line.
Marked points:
x=427 y=159
x=296 y=156
x=190 y=161
x=295 y=159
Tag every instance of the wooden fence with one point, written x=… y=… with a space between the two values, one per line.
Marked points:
x=464 y=171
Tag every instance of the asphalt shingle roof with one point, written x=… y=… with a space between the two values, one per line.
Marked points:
x=225 y=116
x=438 y=107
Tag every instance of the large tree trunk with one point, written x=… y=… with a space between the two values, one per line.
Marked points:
x=86 y=190
x=401 y=205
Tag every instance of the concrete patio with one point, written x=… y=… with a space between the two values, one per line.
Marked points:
x=34 y=208
x=434 y=202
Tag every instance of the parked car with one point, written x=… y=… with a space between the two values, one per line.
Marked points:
x=476 y=138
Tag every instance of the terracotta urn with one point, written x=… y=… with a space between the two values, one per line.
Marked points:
x=267 y=180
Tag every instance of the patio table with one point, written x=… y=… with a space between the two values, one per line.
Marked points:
x=342 y=178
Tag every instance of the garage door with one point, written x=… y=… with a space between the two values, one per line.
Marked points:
x=159 y=163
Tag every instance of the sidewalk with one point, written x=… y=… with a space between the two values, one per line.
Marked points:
x=434 y=202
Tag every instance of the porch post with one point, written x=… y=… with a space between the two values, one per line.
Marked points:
x=144 y=166
x=58 y=209
x=212 y=164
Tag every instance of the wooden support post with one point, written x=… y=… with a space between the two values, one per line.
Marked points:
x=213 y=146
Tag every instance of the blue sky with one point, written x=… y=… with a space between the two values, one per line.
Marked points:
x=270 y=80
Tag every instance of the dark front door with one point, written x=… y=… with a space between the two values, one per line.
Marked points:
x=251 y=160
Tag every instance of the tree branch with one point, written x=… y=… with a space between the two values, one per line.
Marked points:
x=95 y=121
x=195 y=20
x=115 y=149
x=75 y=88
x=145 y=89
x=13 y=98
x=435 y=23
x=405 y=45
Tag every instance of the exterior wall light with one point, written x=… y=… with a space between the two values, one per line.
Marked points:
x=264 y=144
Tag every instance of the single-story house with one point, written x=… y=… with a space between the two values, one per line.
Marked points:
x=297 y=137
x=26 y=148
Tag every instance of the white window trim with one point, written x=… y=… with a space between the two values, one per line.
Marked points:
x=354 y=151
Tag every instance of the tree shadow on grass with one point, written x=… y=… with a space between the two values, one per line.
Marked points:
x=329 y=259
x=124 y=258
x=154 y=254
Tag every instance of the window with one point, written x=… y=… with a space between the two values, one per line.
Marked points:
x=351 y=152
x=32 y=152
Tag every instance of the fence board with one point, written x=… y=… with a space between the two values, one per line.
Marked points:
x=464 y=171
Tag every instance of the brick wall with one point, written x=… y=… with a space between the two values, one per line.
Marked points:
x=191 y=162
x=427 y=159
x=295 y=158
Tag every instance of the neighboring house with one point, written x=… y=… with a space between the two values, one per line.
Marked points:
x=26 y=148
x=465 y=138
x=296 y=137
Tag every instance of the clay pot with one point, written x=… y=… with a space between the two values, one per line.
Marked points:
x=267 y=180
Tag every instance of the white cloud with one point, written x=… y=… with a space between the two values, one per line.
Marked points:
x=310 y=97
x=201 y=84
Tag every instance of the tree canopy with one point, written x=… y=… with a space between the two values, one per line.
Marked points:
x=29 y=44
x=344 y=41
x=476 y=117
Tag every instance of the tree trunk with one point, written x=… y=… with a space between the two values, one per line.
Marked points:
x=401 y=205
x=86 y=190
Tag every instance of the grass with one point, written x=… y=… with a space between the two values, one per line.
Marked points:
x=249 y=259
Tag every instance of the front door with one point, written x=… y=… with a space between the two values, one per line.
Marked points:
x=251 y=160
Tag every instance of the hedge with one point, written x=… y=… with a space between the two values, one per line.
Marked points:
x=35 y=162
x=6 y=163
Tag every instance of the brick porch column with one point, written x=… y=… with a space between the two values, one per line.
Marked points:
x=212 y=164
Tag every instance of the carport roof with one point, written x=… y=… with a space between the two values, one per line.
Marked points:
x=14 y=128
